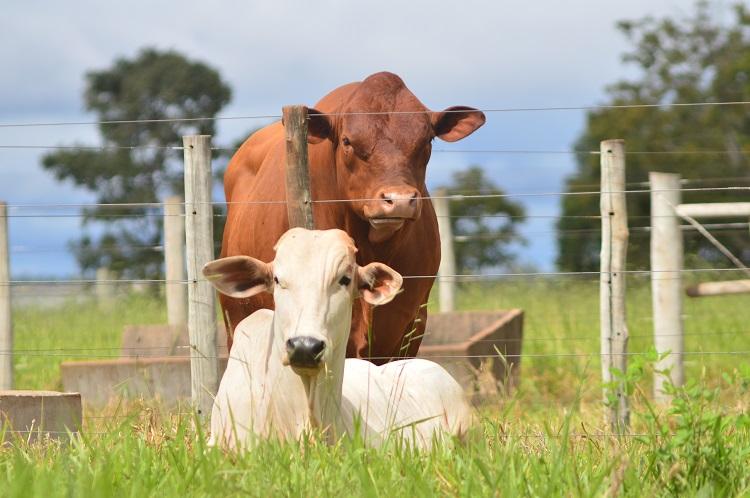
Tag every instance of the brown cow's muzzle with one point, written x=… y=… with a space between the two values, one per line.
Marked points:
x=390 y=209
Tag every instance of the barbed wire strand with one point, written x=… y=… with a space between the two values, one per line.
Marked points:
x=332 y=201
x=455 y=276
x=381 y=113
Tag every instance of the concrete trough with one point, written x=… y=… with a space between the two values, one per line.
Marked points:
x=481 y=349
x=156 y=364
x=31 y=415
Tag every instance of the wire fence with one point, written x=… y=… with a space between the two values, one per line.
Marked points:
x=188 y=352
x=382 y=113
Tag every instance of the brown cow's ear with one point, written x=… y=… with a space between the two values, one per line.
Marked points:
x=319 y=126
x=239 y=276
x=457 y=122
x=378 y=283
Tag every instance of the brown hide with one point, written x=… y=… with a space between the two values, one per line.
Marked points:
x=380 y=158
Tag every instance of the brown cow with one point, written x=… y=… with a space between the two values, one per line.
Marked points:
x=362 y=151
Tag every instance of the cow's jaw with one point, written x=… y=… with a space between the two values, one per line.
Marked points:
x=382 y=229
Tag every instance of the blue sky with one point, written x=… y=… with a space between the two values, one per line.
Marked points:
x=501 y=54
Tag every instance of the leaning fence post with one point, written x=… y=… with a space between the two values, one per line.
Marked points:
x=6 y=323
x=614 y=331
x=446 y=284
x=299 y=199
x=174 y=260
x=204 y=378
x=666 y=278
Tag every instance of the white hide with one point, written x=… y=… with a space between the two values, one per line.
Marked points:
x=259 y=396
x=410 y=400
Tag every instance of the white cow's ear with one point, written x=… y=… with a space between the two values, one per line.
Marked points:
x=457 y=122
x=378 y=283
x=239 y=276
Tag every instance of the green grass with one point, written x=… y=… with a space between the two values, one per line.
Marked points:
x=545 y=440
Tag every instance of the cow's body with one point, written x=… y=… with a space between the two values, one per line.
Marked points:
x=413 y=401
x=271 y=389
x=383 y=158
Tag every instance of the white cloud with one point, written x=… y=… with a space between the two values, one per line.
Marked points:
x=484 y=53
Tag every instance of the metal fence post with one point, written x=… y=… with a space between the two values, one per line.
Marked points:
x=6 y=322
x=666 y=278
x=446 y=283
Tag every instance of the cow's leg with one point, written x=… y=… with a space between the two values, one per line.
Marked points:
x=357 y=346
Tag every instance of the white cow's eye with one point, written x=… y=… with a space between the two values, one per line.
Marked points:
x=276 y=279
x=345 y=280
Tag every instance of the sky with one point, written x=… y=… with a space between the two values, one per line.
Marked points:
x=486 y=54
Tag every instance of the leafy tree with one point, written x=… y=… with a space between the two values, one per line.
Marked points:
x=482 y=227
x=685 y=60
x=155 y=85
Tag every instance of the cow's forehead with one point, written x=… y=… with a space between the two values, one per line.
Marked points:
x=307 y=250
x=396 y=128
x=383 y=106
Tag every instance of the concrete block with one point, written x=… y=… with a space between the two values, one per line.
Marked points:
x=30 y=415
x=99 y=381
x=469 y=345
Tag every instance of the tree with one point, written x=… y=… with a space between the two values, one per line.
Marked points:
x=153 y=86
x=482 y=227
x=685 y=60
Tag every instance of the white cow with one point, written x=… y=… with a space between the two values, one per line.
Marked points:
x=287 y=371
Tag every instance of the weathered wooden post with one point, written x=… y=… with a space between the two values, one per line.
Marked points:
x=298 y=197
x=446 y=283
x=106 y=287
x=6 y=323
x=200 y=250
x=614 y=331
x=666 y=278
x=174 y=260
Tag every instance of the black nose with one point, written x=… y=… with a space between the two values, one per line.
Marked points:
x=305 y=351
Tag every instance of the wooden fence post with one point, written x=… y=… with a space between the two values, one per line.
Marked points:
x=174 y=260
x=299 y=199
x=614 y=331
x=446 y=284
x=666 y=278
x=6 y=322
x=105 y=289
x=204 y=378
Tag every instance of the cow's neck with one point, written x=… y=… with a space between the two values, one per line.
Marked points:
x=384 y=252
x=311 y=402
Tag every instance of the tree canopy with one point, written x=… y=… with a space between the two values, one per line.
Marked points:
x=137 y=163
x=691 y=59
x=482 y=226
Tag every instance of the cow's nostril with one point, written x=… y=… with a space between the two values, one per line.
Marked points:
x=317 y=348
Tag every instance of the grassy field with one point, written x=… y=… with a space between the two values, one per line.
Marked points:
x=547 y=439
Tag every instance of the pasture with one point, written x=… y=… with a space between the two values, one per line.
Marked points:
x=546 y=439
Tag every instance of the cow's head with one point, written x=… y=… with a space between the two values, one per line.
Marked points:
x=314 y=280
x=381 y=156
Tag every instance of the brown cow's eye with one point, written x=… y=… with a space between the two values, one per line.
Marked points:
x=345 y=141
x=345 y=280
